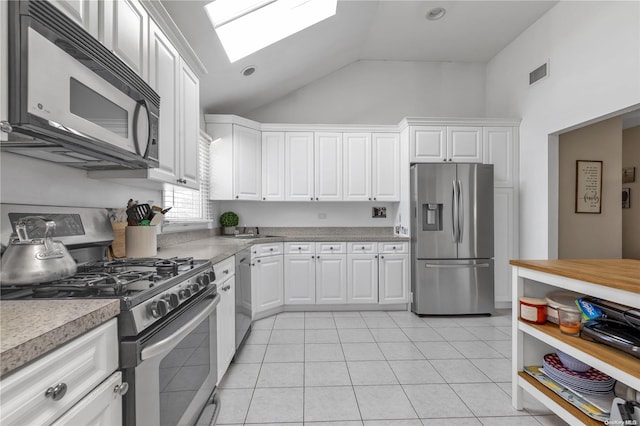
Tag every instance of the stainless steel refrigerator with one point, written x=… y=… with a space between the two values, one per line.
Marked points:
x=452 y=239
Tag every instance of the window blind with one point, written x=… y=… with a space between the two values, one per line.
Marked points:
x=189 y=205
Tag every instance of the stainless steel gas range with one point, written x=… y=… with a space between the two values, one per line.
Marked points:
x=167 y=324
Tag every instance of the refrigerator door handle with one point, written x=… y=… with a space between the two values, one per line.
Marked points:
x=477 y=265
x=454 y=212
x=460 y=213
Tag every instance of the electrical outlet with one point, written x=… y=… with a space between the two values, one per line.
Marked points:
x=378 y=212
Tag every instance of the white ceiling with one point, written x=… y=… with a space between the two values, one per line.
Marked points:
x=471 y=31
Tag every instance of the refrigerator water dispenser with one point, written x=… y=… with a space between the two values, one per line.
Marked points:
x=432 y=214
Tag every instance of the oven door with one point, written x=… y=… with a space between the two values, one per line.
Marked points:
x=176 y=370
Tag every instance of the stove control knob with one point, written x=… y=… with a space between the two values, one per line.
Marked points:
x=203 y=280
x=159 y=308
x=185 y=293
x=172 y=300
x=194 y=287
x=212 y=276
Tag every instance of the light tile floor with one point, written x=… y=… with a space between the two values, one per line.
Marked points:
x=375 y=368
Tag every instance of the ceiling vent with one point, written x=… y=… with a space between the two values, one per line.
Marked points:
x=539 y=73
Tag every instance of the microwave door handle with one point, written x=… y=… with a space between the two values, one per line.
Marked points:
x=167 y=344
x=136 y=114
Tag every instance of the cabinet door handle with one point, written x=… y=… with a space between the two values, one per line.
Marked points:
x=56 y=392
x=271 y=249
x=121 y=389
x=313 y=257
x=311 y=198
x=316 y=198
x=258 y=260
x=376 y=256
x=226 y=271
x=381 y=257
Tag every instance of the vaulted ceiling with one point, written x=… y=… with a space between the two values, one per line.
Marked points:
x=394 y=30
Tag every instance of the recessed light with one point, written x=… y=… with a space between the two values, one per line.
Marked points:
x=436 y=13
x=247 y=71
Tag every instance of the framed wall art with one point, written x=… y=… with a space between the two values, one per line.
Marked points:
x=588 y=186
x=628 y=174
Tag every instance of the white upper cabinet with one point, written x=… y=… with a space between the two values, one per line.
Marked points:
x=83 y=12
x=499 y=150
x=247 y=161
x=386 y=166
x=189 y=112
x=428 y=143
x=125 y=32
x=357 y=166
x=328 y=166
x=298 y=164
x=461 y=144
x=164 y=78
x=464 y=144
x=235 y=160
x=273 y=166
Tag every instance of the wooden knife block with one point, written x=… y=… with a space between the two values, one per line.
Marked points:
x=119 y=244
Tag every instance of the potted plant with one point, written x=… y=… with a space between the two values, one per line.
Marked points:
x=228 y=221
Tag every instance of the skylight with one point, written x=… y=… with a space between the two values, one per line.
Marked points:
x=246 y=26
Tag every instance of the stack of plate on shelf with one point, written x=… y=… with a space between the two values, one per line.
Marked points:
x=591 y=381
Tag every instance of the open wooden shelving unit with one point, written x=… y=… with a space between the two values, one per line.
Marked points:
x=531 y=341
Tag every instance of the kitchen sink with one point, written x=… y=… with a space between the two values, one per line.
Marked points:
x=247 y=236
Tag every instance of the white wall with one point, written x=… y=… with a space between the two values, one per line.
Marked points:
x=25 y=180
x=587 y=235
x=383 y=92
x=594 y=53
x=303 y=214
x=631 y=216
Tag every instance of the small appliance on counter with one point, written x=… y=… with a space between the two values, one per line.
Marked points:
x=167 y=327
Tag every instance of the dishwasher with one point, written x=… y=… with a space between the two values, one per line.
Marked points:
x=243 y=296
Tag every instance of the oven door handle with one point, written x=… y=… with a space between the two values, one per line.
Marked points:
x=167 y=344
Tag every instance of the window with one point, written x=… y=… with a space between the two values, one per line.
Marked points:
x=246 y=26
x=189 y=205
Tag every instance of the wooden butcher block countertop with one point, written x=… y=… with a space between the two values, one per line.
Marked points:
x=621 y=274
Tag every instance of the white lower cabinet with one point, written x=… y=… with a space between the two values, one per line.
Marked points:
x=267 y=283
x=362 y=278
x=394 y=278
x=331 y=279
x=44 y=390
x=226 y=324
x=102 y=406
x=299 y=279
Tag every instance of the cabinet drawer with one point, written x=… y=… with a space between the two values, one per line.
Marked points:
x=224 y=269
x=260 y=250
x=299 y=248
x=362 y=247
x=80 y=365
x=393 y=247
x=329 y=248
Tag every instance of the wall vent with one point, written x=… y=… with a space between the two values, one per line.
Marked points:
x=539 y=73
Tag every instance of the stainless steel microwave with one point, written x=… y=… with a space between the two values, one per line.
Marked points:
x=71 y=100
